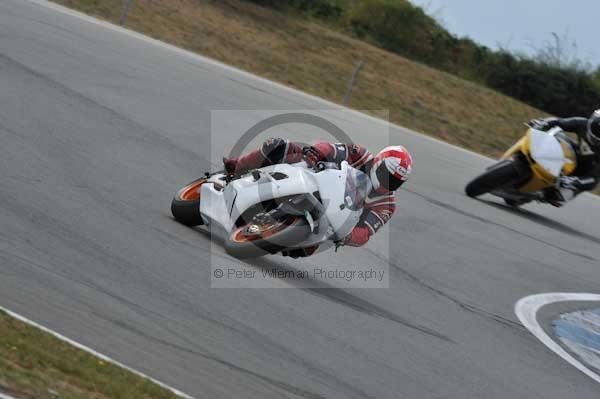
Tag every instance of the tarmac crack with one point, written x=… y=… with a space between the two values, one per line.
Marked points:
x=463 y=305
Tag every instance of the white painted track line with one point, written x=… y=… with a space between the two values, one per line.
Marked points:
x=526 y=310
x=92 y=352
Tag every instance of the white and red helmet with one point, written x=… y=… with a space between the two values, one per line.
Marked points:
x=391 y=168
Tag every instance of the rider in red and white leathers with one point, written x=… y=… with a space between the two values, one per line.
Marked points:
x=388 y=170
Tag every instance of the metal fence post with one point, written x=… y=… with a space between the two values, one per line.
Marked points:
x=126 y=6
x=357 y=67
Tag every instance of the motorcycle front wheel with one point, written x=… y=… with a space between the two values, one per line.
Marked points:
x=253 y=240
x=499 y=175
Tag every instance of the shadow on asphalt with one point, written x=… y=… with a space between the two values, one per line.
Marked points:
x=344 y=297
x=541 y=220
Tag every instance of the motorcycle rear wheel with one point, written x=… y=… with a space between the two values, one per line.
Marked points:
x=185 y=206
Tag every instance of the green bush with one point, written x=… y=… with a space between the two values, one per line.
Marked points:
x=560 y=91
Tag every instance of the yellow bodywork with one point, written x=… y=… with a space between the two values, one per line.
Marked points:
x=541 y=178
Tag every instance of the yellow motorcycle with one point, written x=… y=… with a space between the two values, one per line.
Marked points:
x=529 y=168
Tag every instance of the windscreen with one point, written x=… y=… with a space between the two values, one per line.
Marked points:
x=358 y=186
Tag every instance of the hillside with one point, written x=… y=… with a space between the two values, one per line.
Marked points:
x=313 y=58
x=555 y=79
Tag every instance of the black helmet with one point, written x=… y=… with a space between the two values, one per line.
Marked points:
x=593 y=129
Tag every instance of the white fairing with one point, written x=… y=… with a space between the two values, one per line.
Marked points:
x=343 y=208
x=547 y=151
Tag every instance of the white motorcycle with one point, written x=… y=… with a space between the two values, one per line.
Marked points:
x=276 y=208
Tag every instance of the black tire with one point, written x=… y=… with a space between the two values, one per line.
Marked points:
x=295 y=231
x=187 y=211
x=497 y=176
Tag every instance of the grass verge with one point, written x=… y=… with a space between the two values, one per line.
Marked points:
x=313 y=58
x=35 y=364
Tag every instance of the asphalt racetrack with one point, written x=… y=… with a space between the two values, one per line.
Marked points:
x=99 y=128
